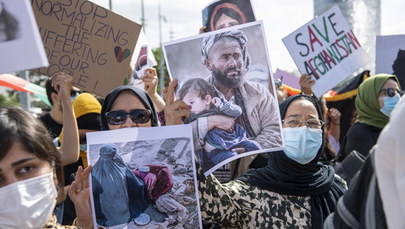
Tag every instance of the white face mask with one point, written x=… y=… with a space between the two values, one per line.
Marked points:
x=28 y=203
x=302 y=143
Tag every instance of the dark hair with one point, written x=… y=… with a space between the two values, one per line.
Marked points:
x=17 y=125
x=11 y=23
x=228 y=12
x=200 y=85
x=49 y=90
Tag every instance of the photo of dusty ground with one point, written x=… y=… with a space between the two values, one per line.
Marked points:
x=177 y=208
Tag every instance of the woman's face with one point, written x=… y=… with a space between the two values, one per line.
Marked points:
x=301 y=110
x=389 y=84
x=20 y=165
x=224 y=21
x=127 y=101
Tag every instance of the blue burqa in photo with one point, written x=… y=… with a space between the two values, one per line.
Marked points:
x=118 y=194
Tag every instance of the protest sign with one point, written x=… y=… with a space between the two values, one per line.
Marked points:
x=143 y=178
x=215 y=64
x=390 y=56
x=145 y=60
x=87 y=41
x=224 y=13
x=326 y=49
x=20 y=44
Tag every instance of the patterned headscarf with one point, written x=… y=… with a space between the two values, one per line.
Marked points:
x=238 y=35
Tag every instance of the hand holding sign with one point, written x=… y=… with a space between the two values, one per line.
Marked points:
x=175 y=111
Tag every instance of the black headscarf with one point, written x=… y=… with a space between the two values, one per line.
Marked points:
x=112 y=96
x=286 y=176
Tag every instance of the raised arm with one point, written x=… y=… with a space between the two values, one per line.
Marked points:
x=70 y=145
x=151 y=80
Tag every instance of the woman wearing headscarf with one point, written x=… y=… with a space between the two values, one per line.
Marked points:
x=376 y=98
x=129 y=101
x=293 y=190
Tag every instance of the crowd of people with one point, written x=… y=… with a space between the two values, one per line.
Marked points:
x=44 y=174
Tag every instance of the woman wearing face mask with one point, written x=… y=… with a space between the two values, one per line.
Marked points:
x=376 y=98
x=293 y=190
x=31 y=175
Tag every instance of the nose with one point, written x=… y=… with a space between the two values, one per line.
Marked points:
x=232 y=62
x=129 y=123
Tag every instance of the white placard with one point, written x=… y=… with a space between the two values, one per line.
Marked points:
x=327 y=49
x=20 y=43
x=170 y=147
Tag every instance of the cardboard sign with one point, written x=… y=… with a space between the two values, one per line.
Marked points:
x=327 y=49
x=20 y=44
x=225 y=13
x=238 y=56
x=87 y=41
x=143 y=178
x=390 y=56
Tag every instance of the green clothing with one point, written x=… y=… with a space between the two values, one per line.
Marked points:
x=368 y=108
x=240 y=205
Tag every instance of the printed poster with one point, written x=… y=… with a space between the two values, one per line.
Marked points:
x=326 y=49
x=20 y=43
x=87 y=41
x=232 y=115
x=225 y=13
x=143 y=178
x=390 y=56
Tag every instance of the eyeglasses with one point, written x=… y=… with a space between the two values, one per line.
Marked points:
x=391 y=92
x=296 y=122
x=137 y=116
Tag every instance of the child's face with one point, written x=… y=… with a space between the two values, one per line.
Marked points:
x=196 y=103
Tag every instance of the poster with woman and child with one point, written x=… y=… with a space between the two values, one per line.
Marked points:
x=232 y=115
x=143 y=178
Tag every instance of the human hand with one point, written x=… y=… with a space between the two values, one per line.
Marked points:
x=239 y=150
x=174 y=111
x=306 y=83
x=62 y=83
x=202 y=30
x=221 y=122
x=334 y=115
x=79 y=193
x=150 y=81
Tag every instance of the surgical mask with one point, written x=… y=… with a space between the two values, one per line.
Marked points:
x=389 y=104
x=28 y=203
x=302 y=143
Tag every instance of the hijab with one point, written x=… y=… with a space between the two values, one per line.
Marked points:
x=285 y=176
x=112 y=96
x=367 y=106
x=389 y=167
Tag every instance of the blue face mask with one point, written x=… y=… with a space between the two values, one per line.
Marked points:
x=389 y=104
x=302 y=143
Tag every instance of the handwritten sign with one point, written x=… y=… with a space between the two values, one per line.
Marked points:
x=327 y=49
x=87 y=41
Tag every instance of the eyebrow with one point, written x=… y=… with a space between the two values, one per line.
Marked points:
x=294 y=115
x=299 y=116
x=22 y=161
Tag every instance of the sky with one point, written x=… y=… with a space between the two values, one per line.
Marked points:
x=280 y=18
